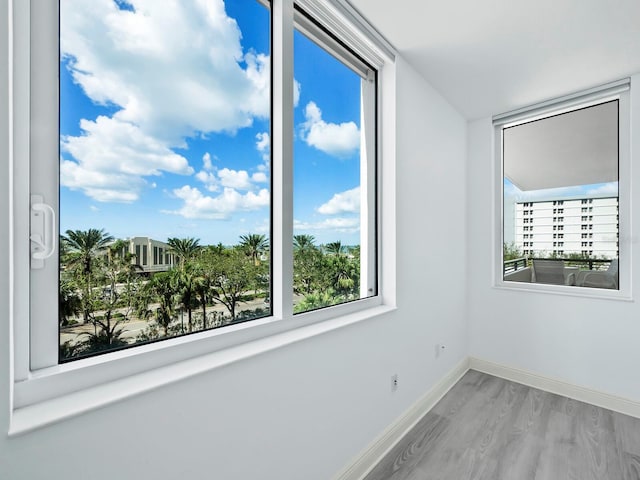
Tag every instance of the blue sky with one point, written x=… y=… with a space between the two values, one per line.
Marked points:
x=164 y=124
x=513 y=194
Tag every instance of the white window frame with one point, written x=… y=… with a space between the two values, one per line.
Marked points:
x=619 y=90
x=44 y=391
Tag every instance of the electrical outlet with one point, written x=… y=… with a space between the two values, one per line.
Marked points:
x=394 y=382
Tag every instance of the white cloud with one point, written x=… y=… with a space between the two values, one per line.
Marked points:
x=197 y=205
x=209 y=179
x=175 y=68
x=340 y=140
x=344 y=202
x=259 y=177
x=172 y=70
x=263 y=145
x=214 y=178
x=206 y=161
x=238 y=179
x=296 y=92
x=112 y=157
x=338 y=224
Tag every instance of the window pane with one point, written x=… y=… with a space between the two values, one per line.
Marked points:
x=334 y=230
x=164 y=169
x=561 y=175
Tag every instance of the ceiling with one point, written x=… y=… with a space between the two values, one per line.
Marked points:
x=492 y=56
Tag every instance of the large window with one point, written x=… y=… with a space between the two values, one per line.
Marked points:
x=186 y=181
x=165 y=145
x=561 y=170
x=334 y=160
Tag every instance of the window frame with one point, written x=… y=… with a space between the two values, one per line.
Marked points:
x=618 y=90
x=37 y=383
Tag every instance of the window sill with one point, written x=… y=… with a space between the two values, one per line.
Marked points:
x=46 y=412
x=566 y=290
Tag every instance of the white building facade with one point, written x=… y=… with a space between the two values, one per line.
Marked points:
x=151 y=255
x=583 y=226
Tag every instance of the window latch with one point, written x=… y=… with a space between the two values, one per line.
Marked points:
x=42 y=231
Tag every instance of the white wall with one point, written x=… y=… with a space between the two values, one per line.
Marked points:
x=594 y=343
x=304 y=411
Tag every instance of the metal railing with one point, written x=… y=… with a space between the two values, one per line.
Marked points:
x=515 y=264
x=510 y=266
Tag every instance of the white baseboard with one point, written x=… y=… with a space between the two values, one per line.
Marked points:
x=371 y=455
x=559 y=387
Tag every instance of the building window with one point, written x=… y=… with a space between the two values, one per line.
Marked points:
x=566 y=150
x=150 y=143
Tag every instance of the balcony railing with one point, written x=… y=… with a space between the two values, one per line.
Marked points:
x=515 y=264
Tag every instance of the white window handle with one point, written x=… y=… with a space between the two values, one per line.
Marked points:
x=43 y=232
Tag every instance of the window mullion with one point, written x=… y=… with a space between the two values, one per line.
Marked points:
x=368 y=270
x=43 y=99
x=282 y=158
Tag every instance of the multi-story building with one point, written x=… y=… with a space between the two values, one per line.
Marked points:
x=151 y=255
x=584 y=226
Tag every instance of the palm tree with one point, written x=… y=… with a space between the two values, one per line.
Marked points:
x=203 y=285
x=82 y=248
x=184 y=248
x=254 y=244
x=184 y=285
x=307 y=264
x=303 y=243
x=334 y=248
x=158 y=290
x=70 y=304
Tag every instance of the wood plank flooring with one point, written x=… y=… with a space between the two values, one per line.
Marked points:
x=487 y=428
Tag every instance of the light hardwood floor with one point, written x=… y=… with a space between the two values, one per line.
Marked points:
x=487 y=428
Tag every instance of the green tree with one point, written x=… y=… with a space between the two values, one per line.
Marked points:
x=233 y=276
x=510 y=251
x=254 y=245
x=184 y=248
x=302 y=243
x=343 y=275
x=184 y=284
x=314 y=301
x=160 y=291
x=82 y=250
x=203 y=285
x=307 y=264
x=84 y=246
x=334 y=248
x=70 y=303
